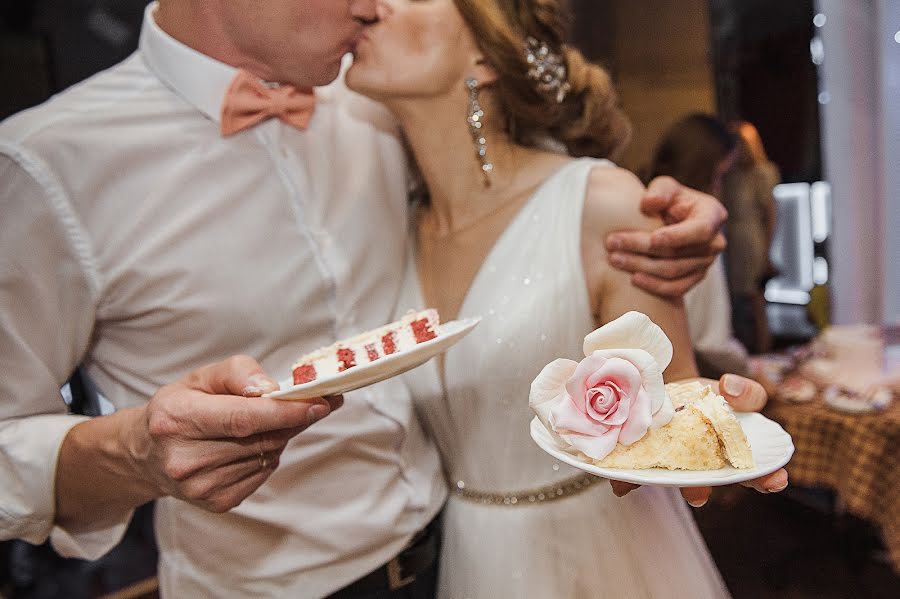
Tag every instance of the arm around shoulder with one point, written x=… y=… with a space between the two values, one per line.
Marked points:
x=612 y=202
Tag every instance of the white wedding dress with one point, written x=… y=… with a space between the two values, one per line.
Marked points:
x=585 y=543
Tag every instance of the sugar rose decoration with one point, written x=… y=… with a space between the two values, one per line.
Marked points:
x=615 y=395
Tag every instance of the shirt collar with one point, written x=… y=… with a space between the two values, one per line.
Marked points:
x=196 y=78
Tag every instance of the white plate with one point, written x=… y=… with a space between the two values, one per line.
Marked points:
x=381 y=369
x=851 y=406
x=772 y=448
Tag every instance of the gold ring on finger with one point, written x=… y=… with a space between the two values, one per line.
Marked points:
x=263 y=461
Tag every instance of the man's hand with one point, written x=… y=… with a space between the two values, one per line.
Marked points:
x=671 y=260
x=209 y=439
x=744 y=395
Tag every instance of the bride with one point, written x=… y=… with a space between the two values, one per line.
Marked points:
x=510 y=228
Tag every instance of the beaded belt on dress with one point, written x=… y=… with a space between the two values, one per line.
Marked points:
x=564 y=488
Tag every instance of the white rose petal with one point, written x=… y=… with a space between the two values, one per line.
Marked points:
x=548 y=389
x=665 y=413
x=632 y=330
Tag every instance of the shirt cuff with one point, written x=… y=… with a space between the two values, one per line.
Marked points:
x=89 y=545
x=29 y=451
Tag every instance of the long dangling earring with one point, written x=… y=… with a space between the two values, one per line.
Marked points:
x=476 y=123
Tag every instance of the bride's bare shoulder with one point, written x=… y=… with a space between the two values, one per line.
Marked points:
x=612 y=201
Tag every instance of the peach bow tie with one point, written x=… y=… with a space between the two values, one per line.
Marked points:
x=248 y=102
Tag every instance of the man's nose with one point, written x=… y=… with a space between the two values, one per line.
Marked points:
x=364 y=11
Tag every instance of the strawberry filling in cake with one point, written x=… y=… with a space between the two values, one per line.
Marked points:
x=404 y=334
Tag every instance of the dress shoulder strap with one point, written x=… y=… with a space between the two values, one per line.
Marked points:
x=568 y=191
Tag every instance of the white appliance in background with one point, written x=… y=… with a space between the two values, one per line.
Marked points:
x=803 y=225
x=803 y=219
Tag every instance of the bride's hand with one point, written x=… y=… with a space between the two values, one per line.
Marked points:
x=669 y=261
x=744 y=395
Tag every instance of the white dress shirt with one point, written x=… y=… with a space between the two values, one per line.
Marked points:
x=708 y=308
x=136 y=241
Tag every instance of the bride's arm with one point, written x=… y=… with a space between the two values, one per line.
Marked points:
x=612 y=203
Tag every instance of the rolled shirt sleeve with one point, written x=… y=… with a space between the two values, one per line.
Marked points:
x=48 y=298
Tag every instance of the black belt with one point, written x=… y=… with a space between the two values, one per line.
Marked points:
x=419 y=555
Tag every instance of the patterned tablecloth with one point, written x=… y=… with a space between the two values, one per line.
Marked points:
x=855 y=455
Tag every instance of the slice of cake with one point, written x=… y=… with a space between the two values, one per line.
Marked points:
x=613 y=408
x=412 y=329
x=704 y=434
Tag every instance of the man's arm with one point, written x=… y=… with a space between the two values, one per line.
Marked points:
x=208 y=439
x=671 y=260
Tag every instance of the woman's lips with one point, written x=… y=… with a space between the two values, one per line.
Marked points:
x=359 y=39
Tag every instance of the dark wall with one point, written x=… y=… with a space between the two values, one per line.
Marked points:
x=765 y=74
x=591 y=30
x=47 y=45
x=760 y=54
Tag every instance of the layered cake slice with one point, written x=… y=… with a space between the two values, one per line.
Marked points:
x=704 y=434
x=404 y=334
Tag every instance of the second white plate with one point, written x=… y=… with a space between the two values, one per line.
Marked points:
x=772 y=448
x=381 y=369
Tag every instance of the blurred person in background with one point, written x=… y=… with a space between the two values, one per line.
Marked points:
x=747 y=194
x=699 y=151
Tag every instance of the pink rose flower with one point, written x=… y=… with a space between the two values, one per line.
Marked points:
x=615 y=395
x=605 y=403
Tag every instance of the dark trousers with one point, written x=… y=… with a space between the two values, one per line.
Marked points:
x=423 y=587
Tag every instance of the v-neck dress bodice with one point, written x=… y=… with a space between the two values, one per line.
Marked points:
x=532 y=297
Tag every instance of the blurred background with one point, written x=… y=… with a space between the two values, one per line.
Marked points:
x=818 y=81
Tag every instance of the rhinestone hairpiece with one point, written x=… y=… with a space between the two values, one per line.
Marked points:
x=547 y=69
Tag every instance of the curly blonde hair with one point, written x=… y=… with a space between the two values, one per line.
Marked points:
x=588 y=121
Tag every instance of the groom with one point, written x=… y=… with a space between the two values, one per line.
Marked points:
x=156 y=219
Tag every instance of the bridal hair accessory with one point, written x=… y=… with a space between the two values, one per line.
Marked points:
x=547 y=69
x=476 y=123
